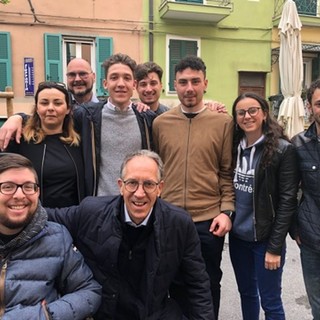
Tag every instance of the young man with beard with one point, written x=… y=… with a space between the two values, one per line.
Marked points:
x=195 y=145
x=306 y=229
x=42 y=275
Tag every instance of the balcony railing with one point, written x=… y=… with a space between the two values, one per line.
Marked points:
x=210 y=11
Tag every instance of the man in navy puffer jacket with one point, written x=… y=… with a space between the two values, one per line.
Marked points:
x=42 y=276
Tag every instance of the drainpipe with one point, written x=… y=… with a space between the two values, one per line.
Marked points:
x=151 y=25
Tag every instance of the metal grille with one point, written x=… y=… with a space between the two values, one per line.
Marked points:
x=307 y=7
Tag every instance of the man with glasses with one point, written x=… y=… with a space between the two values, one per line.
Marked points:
x=136 y=244
x=80 y=81
x=42 y=275
x=195 y=145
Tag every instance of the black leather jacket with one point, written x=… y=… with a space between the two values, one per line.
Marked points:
x=275 y=197
x=307 y=222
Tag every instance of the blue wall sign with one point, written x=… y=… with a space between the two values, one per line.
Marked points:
x=28 y=77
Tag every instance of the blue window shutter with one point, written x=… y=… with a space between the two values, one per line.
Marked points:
x=5 y=61
x=178 y=49
x=104 y=50
x=53 y=57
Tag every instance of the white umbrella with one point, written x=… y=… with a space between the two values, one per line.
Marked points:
x=291 y=111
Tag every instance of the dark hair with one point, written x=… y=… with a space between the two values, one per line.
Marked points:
x=142 y=70
x=33 y=130
x=119 y=58
x=271 y=129
x=143 y=153
x=313 y=86
x=192 y=62
x=16 y=161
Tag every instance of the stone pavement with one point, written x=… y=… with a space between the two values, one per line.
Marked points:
x=293 y=291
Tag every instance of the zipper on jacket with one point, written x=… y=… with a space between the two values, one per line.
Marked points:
x=130 y=255
x=41 y=172
x=186 y=168
x=2 y=283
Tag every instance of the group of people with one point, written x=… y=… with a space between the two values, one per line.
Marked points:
x=189 y=175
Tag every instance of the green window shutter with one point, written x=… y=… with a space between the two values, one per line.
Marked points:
x=315 y=68
x=5 y=61
x=53 y=57
x=178 y=49
x=104 y=51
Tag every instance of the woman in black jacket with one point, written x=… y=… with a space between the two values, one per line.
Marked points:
x=265 y=183
x=51 y=143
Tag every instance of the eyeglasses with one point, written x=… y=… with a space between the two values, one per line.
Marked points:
x=51 y=84
x=148 y=186
x=10 y=188
x=82 y=74
x=253 y=111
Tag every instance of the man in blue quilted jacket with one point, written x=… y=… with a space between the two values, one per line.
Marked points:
x=42 y=276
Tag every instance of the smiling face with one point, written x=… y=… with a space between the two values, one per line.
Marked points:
x=120 y=84
x=149 y=90
x=80 y=79
x=251 y=125
x=52 y=109
x=17 y=210
x=139 y=203
x=190 y=86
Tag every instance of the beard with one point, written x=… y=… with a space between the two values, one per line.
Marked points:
x=81 y=93
x=15 y=225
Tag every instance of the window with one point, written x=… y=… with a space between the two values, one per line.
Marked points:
x=59 y=50
x=307 y=7
x=5 y=61
x=178 y=49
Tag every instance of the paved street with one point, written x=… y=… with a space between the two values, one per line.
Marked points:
x=294 y=295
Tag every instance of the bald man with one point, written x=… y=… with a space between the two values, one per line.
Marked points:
x=80 y=80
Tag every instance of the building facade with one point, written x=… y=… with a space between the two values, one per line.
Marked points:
x=237 y=39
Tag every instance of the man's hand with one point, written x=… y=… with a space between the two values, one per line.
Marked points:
x=11 y=129
x=272 y=261
x=220 y=225
x=141 y=107
x=216 y=106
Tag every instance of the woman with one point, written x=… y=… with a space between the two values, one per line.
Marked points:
x=265 y=182
x=51 y=143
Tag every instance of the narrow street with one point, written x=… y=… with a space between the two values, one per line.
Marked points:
x=293 y=291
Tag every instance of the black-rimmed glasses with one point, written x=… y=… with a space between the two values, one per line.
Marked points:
x=148 y=186
x=82 y=74
x=10 y=188
x=253 y=111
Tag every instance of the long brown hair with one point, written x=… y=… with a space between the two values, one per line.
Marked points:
x=271 y=129
x=33 y=130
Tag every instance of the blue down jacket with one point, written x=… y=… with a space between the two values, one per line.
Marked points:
x=43 y=277
x=96 y=229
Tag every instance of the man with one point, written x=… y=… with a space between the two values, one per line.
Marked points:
x=108 y=130
x=43 y=277
x=306 y=229
x=148 y=76
x=195 y=145
x=80 y=81
x=136 y=243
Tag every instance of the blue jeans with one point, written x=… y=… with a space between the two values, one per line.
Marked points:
x=310 y=261
x=254 y=281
